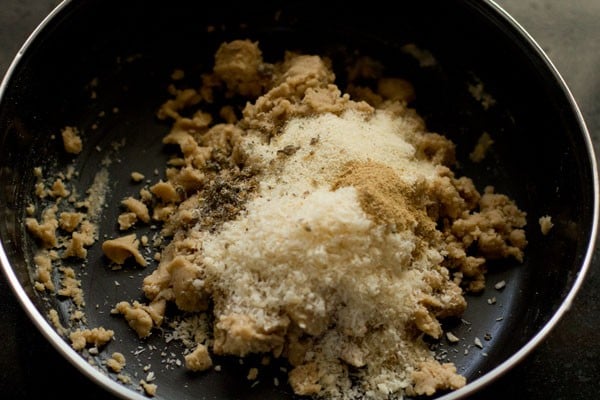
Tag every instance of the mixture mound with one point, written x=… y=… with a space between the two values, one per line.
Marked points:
x=321 y=225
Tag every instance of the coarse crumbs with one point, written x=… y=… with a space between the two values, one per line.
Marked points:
x=546 y=224
x=481 y=148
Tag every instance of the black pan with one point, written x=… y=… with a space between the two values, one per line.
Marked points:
x=542 y=156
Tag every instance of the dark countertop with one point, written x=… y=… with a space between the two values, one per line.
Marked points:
x=565 y=366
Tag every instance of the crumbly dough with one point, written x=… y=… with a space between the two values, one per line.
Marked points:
x=252 y=374
x=84 y=237
x=120 y=249
x=69 y=221
x=58 y=189
x=141 y=318
x=484 y=142
x=149 y=388
x=138 y=208
x=546 y=224
x=46 y=230
x=431 y=377
x=97 y=337
x=116 y=362
x=199 y=359
x=71 y=286
x=64 y=229
x=126 y=220
x=71 y=140
x=55 y=320
x=43 y=271
x=267 y=211
x=137 y=176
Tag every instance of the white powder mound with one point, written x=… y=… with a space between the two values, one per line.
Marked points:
x=299 y=243
x=307 y=252
x=306 y=255
x=319 y=260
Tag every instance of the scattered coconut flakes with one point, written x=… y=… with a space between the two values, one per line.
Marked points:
x=478 y=343
x=137 y=176
x=150 y=377
x=452 y=338
x=500 y=285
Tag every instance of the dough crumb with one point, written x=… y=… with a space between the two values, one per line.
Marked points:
x=546 y=224
x=116 y=362
x=479 y=93
x=69 y=221
x=178 y=74
x=431 y=377
x=483 y=144
x=71 y=286
x=138 y=208
x=71 y=140
x=199 y=359
x=252 y=374
x=126 y=220
x=55 y=320
x=97 y=337
x=149 y=388
x=59 y=189
x=304 y=379
x=141 y=318
x=46 y=230
x=43 y=271
x=120 y=249
x=137 y=177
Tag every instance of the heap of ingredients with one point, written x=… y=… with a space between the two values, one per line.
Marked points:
x=313 y=224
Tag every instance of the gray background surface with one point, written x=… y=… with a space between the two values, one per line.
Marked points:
x=565 y=366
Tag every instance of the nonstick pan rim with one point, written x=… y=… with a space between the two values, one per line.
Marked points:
x=121 y=391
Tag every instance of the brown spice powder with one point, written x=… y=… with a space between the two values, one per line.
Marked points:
x=388 y=199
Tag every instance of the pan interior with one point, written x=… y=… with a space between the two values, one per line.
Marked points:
x=130 y=50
